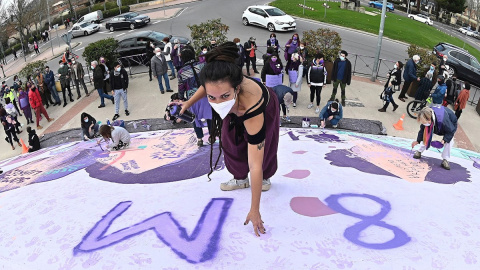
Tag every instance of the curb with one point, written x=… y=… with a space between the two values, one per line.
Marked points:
x=167 y=6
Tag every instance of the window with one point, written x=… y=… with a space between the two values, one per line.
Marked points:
x=158 y=37
x=141 y=42
x=475 y=63
x=464 y=58
x=127 y=43
x=275 y=12
x=131 y=15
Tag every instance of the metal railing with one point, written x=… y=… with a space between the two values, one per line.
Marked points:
x=135 y=64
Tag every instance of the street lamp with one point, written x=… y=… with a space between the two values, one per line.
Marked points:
x=379 y=44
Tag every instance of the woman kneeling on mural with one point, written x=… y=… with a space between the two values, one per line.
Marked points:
x=119 y=136
x=245 y=119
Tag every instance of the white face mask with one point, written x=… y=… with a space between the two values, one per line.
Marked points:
x=92 y=67
x=445 y=59
x=158 y=53
x=333 y=110
x=73 y=62
x=61 y=66
x=204 y=52
x=427 y=125
x=301 y=47
x=223 y=108
x=85 y=120
x=395 y=66
x=118 y=69
x=238 y=43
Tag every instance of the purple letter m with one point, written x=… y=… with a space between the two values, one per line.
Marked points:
x=200 y=246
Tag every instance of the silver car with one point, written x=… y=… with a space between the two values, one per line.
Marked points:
x=84 y=29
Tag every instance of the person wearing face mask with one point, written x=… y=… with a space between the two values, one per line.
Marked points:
x=394 y=80
x=89 y=126
x=246 y=122
x=167 y=52
x=119 y=83
x=188 y=84
x=440 y=121
x=36 y=103
x=332 y=112
x=273 y=42
x=440 y=92
x=409 y=75
x=77 y=77
x=240 y=61
x=160 y=70
x=44 y=92
x=64 y=74
x=201 y=57
x=443 y=64
x=213 y=45
x=177 y=55
x=106 y=76
x=423 y=90
x=316 y=79
x=295 y=74
x=250 y=56
x=461 y=101
x=33 y=140
x=50 y=84
x=285 y=99
x=272 y=71
x=341 y=75
x=98 y=83
x=303 y=53
x=290 y=48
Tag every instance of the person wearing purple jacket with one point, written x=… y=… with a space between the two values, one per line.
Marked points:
x=25 y=105
x=176 y=54
x=290 y=48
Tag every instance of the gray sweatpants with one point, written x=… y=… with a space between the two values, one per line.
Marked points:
x=117 y=94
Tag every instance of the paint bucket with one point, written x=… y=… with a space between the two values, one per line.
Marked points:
x=306 y=122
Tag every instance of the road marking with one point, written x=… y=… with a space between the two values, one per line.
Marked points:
x=130 y=31
x=120 y=34
x=156 y=22
x=81 y=49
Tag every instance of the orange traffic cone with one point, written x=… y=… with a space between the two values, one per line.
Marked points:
x=24 y=147
x=399 y=124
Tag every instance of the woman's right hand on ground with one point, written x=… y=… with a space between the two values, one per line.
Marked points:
x=414 y=143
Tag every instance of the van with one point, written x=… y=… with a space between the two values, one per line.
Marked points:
x=94 y=17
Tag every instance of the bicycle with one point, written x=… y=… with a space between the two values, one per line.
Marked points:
x=415 y=106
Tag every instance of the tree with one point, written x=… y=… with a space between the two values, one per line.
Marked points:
x=454 y=6
x=203 y=33
x=323 y=40
x=106 y=48
x=21 y=12
x=30 y=68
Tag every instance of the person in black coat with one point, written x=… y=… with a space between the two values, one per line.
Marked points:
x=250 y=57
x=89 y=126
x=119 y=83
x=240 y=61
x=273 y=42
x=149 y=51
x=33 y=140
x=272 y=66
x=98 y=82
x=394 y=80
x=341 y=74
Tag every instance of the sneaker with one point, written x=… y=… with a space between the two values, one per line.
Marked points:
x=79 y=97
x=65 y=104
x=294 y=105
x=163 y=92
x=115 y=117
x=127 y=113
x=382 y=110
x=334 y=126
x=317 y=110
x=101 y=106
x=418 y=155
x=310 y=106
x=169 y=90
x=39 y=127
x=343 y=103
x=445 y=165
x=199 y=142
x=266 y=184
x=51 y=119
x=235 y=184
x=395 y=107
x=288 y=119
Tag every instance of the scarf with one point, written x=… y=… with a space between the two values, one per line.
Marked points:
x=294 y=65
x=277 y=69
x=428 y=133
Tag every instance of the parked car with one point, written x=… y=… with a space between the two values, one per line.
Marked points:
x=84 y=29
x=135 y=44
x=92 y=17
x=130 y=20
x=269 y=17
x=462 y=30
x=461 y=64
x=472 y=33
x=379 y=4
x=421 y=18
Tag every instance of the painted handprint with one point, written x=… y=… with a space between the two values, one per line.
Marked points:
x=34 y=255
x=92 y=260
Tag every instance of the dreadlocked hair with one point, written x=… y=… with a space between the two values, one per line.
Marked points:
x=220 y=67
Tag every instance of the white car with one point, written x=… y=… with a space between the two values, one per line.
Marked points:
x=269 y=17
x=471 y=33
x=84 y=29
x=421 y=18
x=463 y=30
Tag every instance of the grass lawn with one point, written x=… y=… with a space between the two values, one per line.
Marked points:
x=396 y=27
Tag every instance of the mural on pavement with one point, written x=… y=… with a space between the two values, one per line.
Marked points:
x=339 y=200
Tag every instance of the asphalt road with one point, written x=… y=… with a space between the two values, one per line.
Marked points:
x=230 y=12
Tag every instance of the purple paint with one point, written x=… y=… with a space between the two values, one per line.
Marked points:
x=353 y=233
x=348 y=159
x=437 y=144
x=292 y=136
x=200 y=246
x=299 y=152
x=298 y=174
x=324 y=138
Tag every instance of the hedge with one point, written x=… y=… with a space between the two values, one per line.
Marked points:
x=115 y=11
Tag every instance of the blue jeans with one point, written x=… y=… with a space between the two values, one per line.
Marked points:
x=103 y=96
x=170 y=65
x=167 y=81
x=53 y=91
x=90 y=136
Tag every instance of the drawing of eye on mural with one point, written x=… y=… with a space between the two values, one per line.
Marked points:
x=339 y=200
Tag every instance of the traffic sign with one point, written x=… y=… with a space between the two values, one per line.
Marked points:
x=67 y=37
